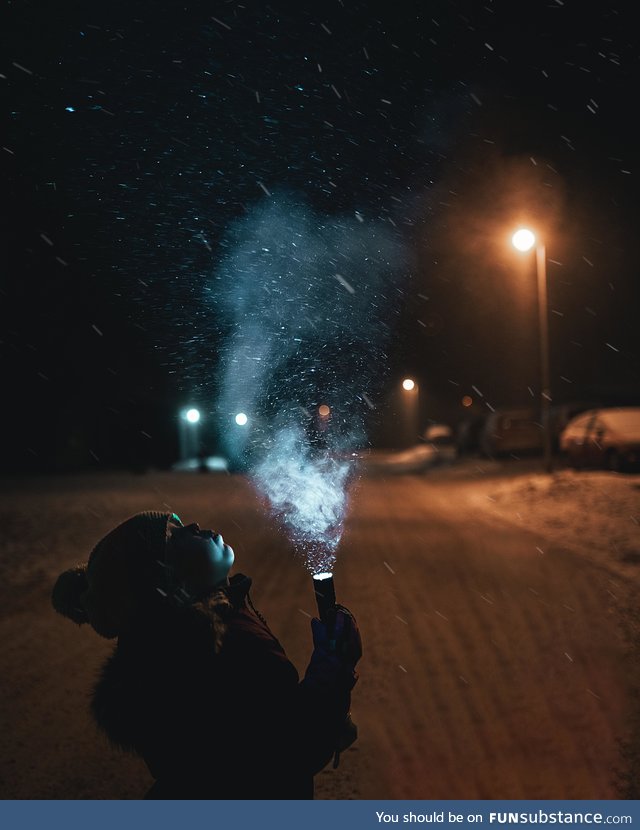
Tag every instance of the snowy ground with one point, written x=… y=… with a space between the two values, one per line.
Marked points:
x=489 y=597
x=594 y=512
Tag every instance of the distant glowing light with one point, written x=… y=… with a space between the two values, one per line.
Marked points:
x=467 y=400
x=523 y=239
x=408 y=384
x=324 y=411
x=241 y=419
x=70 y=109
x=192 y=415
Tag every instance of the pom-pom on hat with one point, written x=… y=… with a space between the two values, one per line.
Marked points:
x=123 y=568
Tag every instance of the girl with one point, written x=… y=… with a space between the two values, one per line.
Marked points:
x=198 y=685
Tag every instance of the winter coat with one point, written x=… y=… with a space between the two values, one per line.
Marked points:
x=214 y=707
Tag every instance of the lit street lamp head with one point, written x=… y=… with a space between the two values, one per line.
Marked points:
x=523 y=239
x=192 y=415
x=408 y=384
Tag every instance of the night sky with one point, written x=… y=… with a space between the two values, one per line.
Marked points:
x=139 y=137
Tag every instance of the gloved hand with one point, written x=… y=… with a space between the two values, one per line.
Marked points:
x=344 y=640
x=335 y=653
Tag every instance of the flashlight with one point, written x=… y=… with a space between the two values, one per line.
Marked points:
x=326 y=600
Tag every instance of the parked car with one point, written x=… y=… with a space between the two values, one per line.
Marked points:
x=441 y=439
x=607 y=438
x=438 y=434
x=561 y=414
x=511 y=431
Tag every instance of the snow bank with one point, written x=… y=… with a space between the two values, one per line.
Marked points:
x=597 y=512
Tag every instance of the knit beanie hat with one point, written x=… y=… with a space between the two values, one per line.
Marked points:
x=123 y=568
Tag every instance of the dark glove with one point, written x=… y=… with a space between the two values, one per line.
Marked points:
x=346 y=635
x=335 y=653
x=337 y=649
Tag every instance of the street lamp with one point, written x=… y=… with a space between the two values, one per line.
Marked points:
x=189 y=433
x=192 y=415
x=410 y=413
x=524 y=240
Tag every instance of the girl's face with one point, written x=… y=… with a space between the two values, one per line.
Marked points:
x=200 y=560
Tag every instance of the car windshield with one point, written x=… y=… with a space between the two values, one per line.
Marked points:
x=578 y=425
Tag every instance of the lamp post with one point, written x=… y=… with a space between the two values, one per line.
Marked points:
x=524 y=240
x=410 y=396
x=188 y=433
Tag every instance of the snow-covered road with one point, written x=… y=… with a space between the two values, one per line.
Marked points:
x=494 y=662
